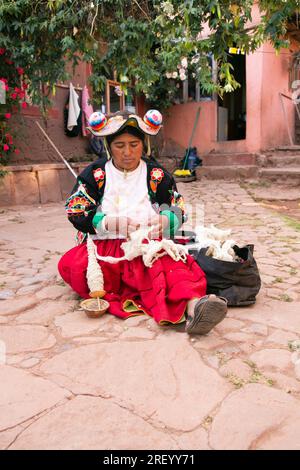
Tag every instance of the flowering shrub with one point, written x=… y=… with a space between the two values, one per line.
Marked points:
x=152 y=44
x=12 y=93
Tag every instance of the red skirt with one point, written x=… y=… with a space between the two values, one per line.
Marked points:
x=161 y=291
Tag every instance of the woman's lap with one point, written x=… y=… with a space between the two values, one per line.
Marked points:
x=161 y=291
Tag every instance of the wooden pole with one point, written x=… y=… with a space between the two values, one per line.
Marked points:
x=56 y=149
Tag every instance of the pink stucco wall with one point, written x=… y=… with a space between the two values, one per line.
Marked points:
x=179 y=124
x=267 y=75
x=275 y=81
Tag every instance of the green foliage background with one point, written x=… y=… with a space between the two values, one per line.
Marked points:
x=144 y=41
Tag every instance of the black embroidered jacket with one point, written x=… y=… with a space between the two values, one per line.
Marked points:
x=88 y=193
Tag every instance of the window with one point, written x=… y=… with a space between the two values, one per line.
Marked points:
x=114 y=98
x=295 y=69
x=130 y=101
x=191 y=90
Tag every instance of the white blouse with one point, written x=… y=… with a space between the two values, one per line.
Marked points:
x=126 y=194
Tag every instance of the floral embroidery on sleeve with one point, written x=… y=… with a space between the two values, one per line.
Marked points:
x=79 y=202
x=99 y=176
x=156 y=176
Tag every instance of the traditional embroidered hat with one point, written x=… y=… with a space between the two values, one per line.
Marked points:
x=100 y=126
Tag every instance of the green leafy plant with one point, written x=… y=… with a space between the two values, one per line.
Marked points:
x=13 y=90
x=151 y=45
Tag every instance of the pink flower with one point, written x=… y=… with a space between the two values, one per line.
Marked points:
x=20 y=70
x=24 y=105
x=5 y=147
x=7 y=115
x=17 y=151
x=14 y=96
x=2 y=50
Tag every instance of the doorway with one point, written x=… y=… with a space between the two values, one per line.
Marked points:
x=232 y=109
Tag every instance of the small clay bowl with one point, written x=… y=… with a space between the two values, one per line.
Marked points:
x=91 y=307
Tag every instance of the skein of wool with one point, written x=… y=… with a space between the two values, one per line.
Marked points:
x=150 y=251
x=94 y=273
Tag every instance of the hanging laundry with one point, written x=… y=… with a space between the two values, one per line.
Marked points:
x=74 y=109
x=72 y=114
x=87 y=109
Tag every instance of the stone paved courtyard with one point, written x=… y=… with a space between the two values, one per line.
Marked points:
x=70 y=382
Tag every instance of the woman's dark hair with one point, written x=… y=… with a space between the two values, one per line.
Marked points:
x=126 y=130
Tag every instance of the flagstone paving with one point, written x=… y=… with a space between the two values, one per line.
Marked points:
x=71 y=382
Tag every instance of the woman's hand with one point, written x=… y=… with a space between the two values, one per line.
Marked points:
x=125 y=226
x=118 y=225
x=133 y=226
x=159 y=223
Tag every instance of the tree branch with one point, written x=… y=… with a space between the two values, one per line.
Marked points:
x=142 y=10
x=94 y=19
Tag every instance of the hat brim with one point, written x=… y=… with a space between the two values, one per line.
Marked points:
x=116 y=123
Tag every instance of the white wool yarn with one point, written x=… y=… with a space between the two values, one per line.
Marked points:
x=150 y=252
x=211 y=233
x=216 y=241
x=94 y=273
x=155 y=249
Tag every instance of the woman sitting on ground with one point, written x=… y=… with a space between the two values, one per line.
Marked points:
x=115 y=196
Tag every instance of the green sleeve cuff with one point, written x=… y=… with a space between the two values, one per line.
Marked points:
x=173 y=222
x=97 y=219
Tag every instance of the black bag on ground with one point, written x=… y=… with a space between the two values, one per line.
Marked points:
x=238 y=282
